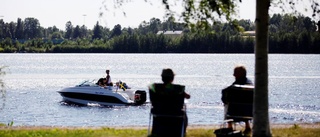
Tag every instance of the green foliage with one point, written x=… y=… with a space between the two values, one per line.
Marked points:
x=288 y=34
x=56 y=35
x=205 y=11
x=10 y=124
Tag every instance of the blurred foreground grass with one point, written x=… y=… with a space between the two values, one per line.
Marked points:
x=279 y=131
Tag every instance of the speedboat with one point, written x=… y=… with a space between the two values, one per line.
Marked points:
x=88 y=92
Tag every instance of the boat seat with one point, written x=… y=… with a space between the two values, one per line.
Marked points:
x=168 y=111
x=238 y=100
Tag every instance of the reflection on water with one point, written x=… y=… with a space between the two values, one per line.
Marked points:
x=33 y=80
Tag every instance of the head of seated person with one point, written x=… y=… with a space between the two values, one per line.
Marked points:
x=167 y=76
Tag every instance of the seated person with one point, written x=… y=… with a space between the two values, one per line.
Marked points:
x=167 y=88
x=121 y=85
x=102 y=82
x=240 y=75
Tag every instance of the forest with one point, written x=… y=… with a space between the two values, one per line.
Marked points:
x=287 y=34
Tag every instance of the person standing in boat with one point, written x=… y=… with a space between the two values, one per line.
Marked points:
x=108 y=77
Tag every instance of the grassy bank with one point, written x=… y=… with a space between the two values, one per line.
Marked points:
x=312 y=130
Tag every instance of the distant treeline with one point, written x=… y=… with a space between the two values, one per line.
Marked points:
x=287 y=34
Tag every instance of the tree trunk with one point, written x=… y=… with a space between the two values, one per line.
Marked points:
x=261 y=127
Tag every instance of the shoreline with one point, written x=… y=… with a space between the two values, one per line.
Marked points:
x=213 y=126
x=216 y=126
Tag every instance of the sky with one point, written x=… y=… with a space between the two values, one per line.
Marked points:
x=86 y=12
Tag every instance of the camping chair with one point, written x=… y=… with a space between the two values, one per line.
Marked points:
x=168 y=112
x=238 y=100
x=239 y=105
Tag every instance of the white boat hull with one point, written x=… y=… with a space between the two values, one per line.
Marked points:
x=93 y=94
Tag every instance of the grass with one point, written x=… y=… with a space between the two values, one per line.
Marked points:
x=286 y=131
x=296 y=131
x=63 y=132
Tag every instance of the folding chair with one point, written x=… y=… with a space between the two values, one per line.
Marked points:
x=168 y=112
x=238 y=101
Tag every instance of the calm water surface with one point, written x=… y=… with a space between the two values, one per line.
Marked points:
x=33 y=79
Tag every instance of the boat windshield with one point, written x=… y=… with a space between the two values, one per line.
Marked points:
x=87 y=83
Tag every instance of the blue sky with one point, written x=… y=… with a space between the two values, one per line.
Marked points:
x=79 y=12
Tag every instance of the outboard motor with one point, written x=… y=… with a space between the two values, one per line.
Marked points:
x=140 y=97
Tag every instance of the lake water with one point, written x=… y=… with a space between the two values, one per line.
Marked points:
x=33 y=79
